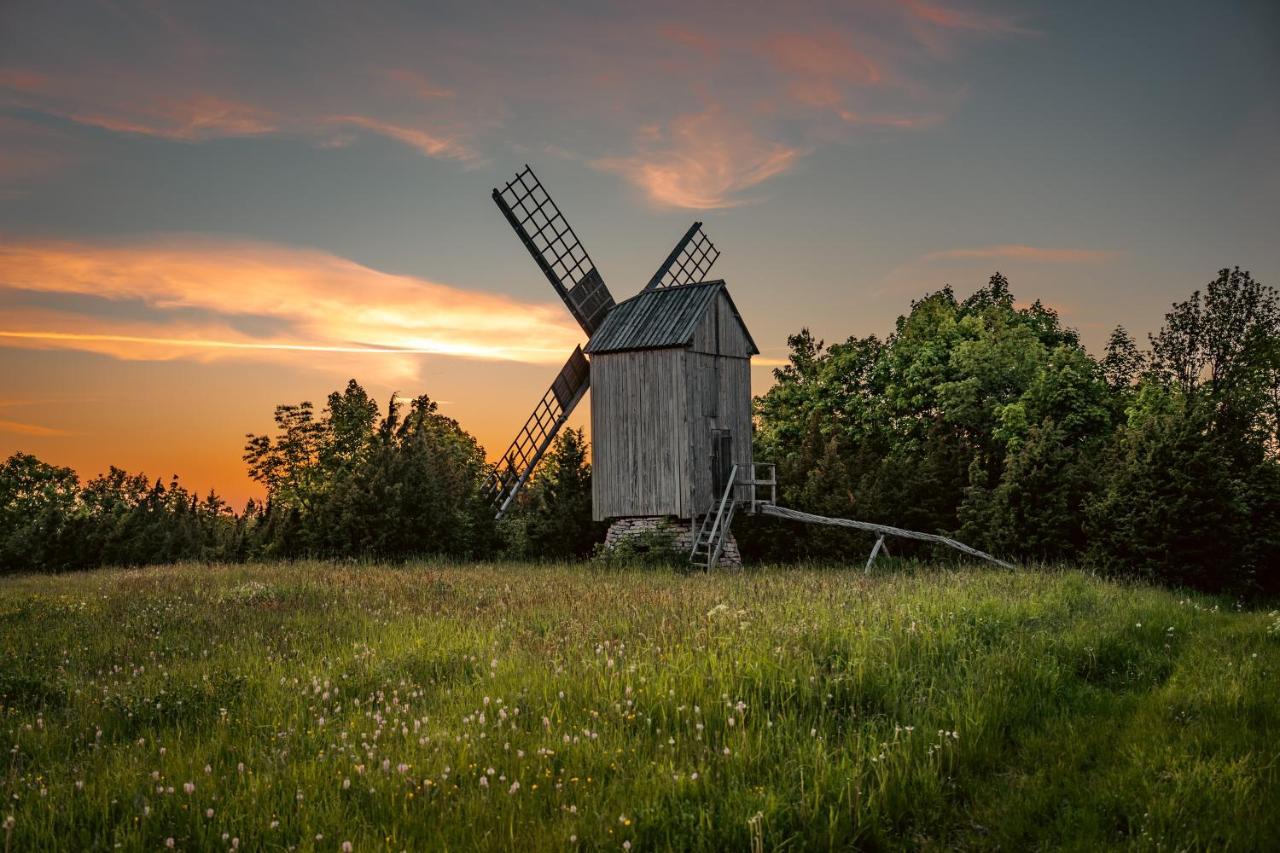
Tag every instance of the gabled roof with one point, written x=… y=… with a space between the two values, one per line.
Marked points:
x=662 y=317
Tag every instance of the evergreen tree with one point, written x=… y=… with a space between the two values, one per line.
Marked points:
x=556 y=506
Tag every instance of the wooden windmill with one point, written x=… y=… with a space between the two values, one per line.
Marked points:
x=671 y=404
x=671 y=370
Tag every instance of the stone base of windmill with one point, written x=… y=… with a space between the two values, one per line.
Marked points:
x=649 y=528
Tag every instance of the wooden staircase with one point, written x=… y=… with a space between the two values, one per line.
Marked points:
x=713 y=532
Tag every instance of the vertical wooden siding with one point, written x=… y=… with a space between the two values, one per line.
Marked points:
x=728 y=380
x=731 y=340
x=640 y=433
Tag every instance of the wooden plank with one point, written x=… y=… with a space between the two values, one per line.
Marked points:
x=882 y=529
x=638 y=403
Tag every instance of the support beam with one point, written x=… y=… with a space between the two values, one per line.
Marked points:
x=874 y=551
x=882 y=529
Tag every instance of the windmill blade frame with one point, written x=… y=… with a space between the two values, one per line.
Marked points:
x=555 y=247
x=689 y=262
x=533 y=439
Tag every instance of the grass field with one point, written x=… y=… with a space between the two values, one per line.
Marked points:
x=526 y=707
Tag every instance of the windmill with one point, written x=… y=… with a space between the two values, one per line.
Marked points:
x=671 y=403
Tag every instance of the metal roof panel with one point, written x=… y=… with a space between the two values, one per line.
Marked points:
x=658 y=318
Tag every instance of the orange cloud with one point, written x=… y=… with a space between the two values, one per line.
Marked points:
x=193 y=298
x=193 y=118
x=148 y=110
x=416 y=84
x=421 y=140
x=98 y=101
x=792 y=78
x=824 y=55
x=1025 y=253
x=701 y=161
x=958 y=19
x=32 y=429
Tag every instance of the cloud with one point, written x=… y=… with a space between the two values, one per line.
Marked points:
x=696 y=106
x=1034 y=254
x=33 y=430
x=195 y=296
x=747 y=99
x=421 y=140
x=194 y=118
x=126 y=104
x=120 y=104
x=417 y=84
x=828 y=55
x=952 y=18
x=701 y=161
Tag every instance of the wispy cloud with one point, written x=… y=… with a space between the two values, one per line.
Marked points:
x=140 y=106
x=1034 y=254
x=825 y=56
x=958 y=18
x=420 y=140
x=36 y=430
x=190 y=119
x=196 y=294
x=110 y=103
x=698 y=107
x=701 y=161
x=417 y=84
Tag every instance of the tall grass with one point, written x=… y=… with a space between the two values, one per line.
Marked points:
x=526 y=707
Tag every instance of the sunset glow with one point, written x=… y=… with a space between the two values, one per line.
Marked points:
x=190 y=299
x=209 y=210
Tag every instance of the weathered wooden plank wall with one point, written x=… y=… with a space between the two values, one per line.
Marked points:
x=639 y=427
x=719 y=331
x=719 y=392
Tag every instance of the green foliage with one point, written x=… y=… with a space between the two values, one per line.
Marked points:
x=345 y=484
x=38 y=507
x=351 y=485
x=992 y=422
x=923 y=430
x=552 y=516
x=50 y=522
x=309 y=705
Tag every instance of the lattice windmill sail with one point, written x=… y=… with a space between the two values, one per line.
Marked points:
x=556 y=249
x=689 y=262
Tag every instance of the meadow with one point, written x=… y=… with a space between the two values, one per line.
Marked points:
x=448 y=706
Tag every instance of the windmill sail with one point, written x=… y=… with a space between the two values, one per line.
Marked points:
x=555 y=247
x=535 y=437
x=688 y=262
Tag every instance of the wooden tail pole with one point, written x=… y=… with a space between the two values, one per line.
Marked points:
x=882 y=529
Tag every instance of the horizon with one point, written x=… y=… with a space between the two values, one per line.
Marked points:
x=209 y=213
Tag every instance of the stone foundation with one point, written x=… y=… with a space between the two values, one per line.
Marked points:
x=681 y=532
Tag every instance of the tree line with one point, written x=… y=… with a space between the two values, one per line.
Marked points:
x=992 y=422
x=348 y=482
x=974 y=417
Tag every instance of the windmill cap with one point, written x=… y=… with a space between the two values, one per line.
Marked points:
x=661 y=317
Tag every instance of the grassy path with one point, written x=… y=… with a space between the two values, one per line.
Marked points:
x=527 y=707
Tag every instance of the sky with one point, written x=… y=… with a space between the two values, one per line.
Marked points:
x=209 y=209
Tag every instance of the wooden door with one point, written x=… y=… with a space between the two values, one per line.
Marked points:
x=721 y=461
